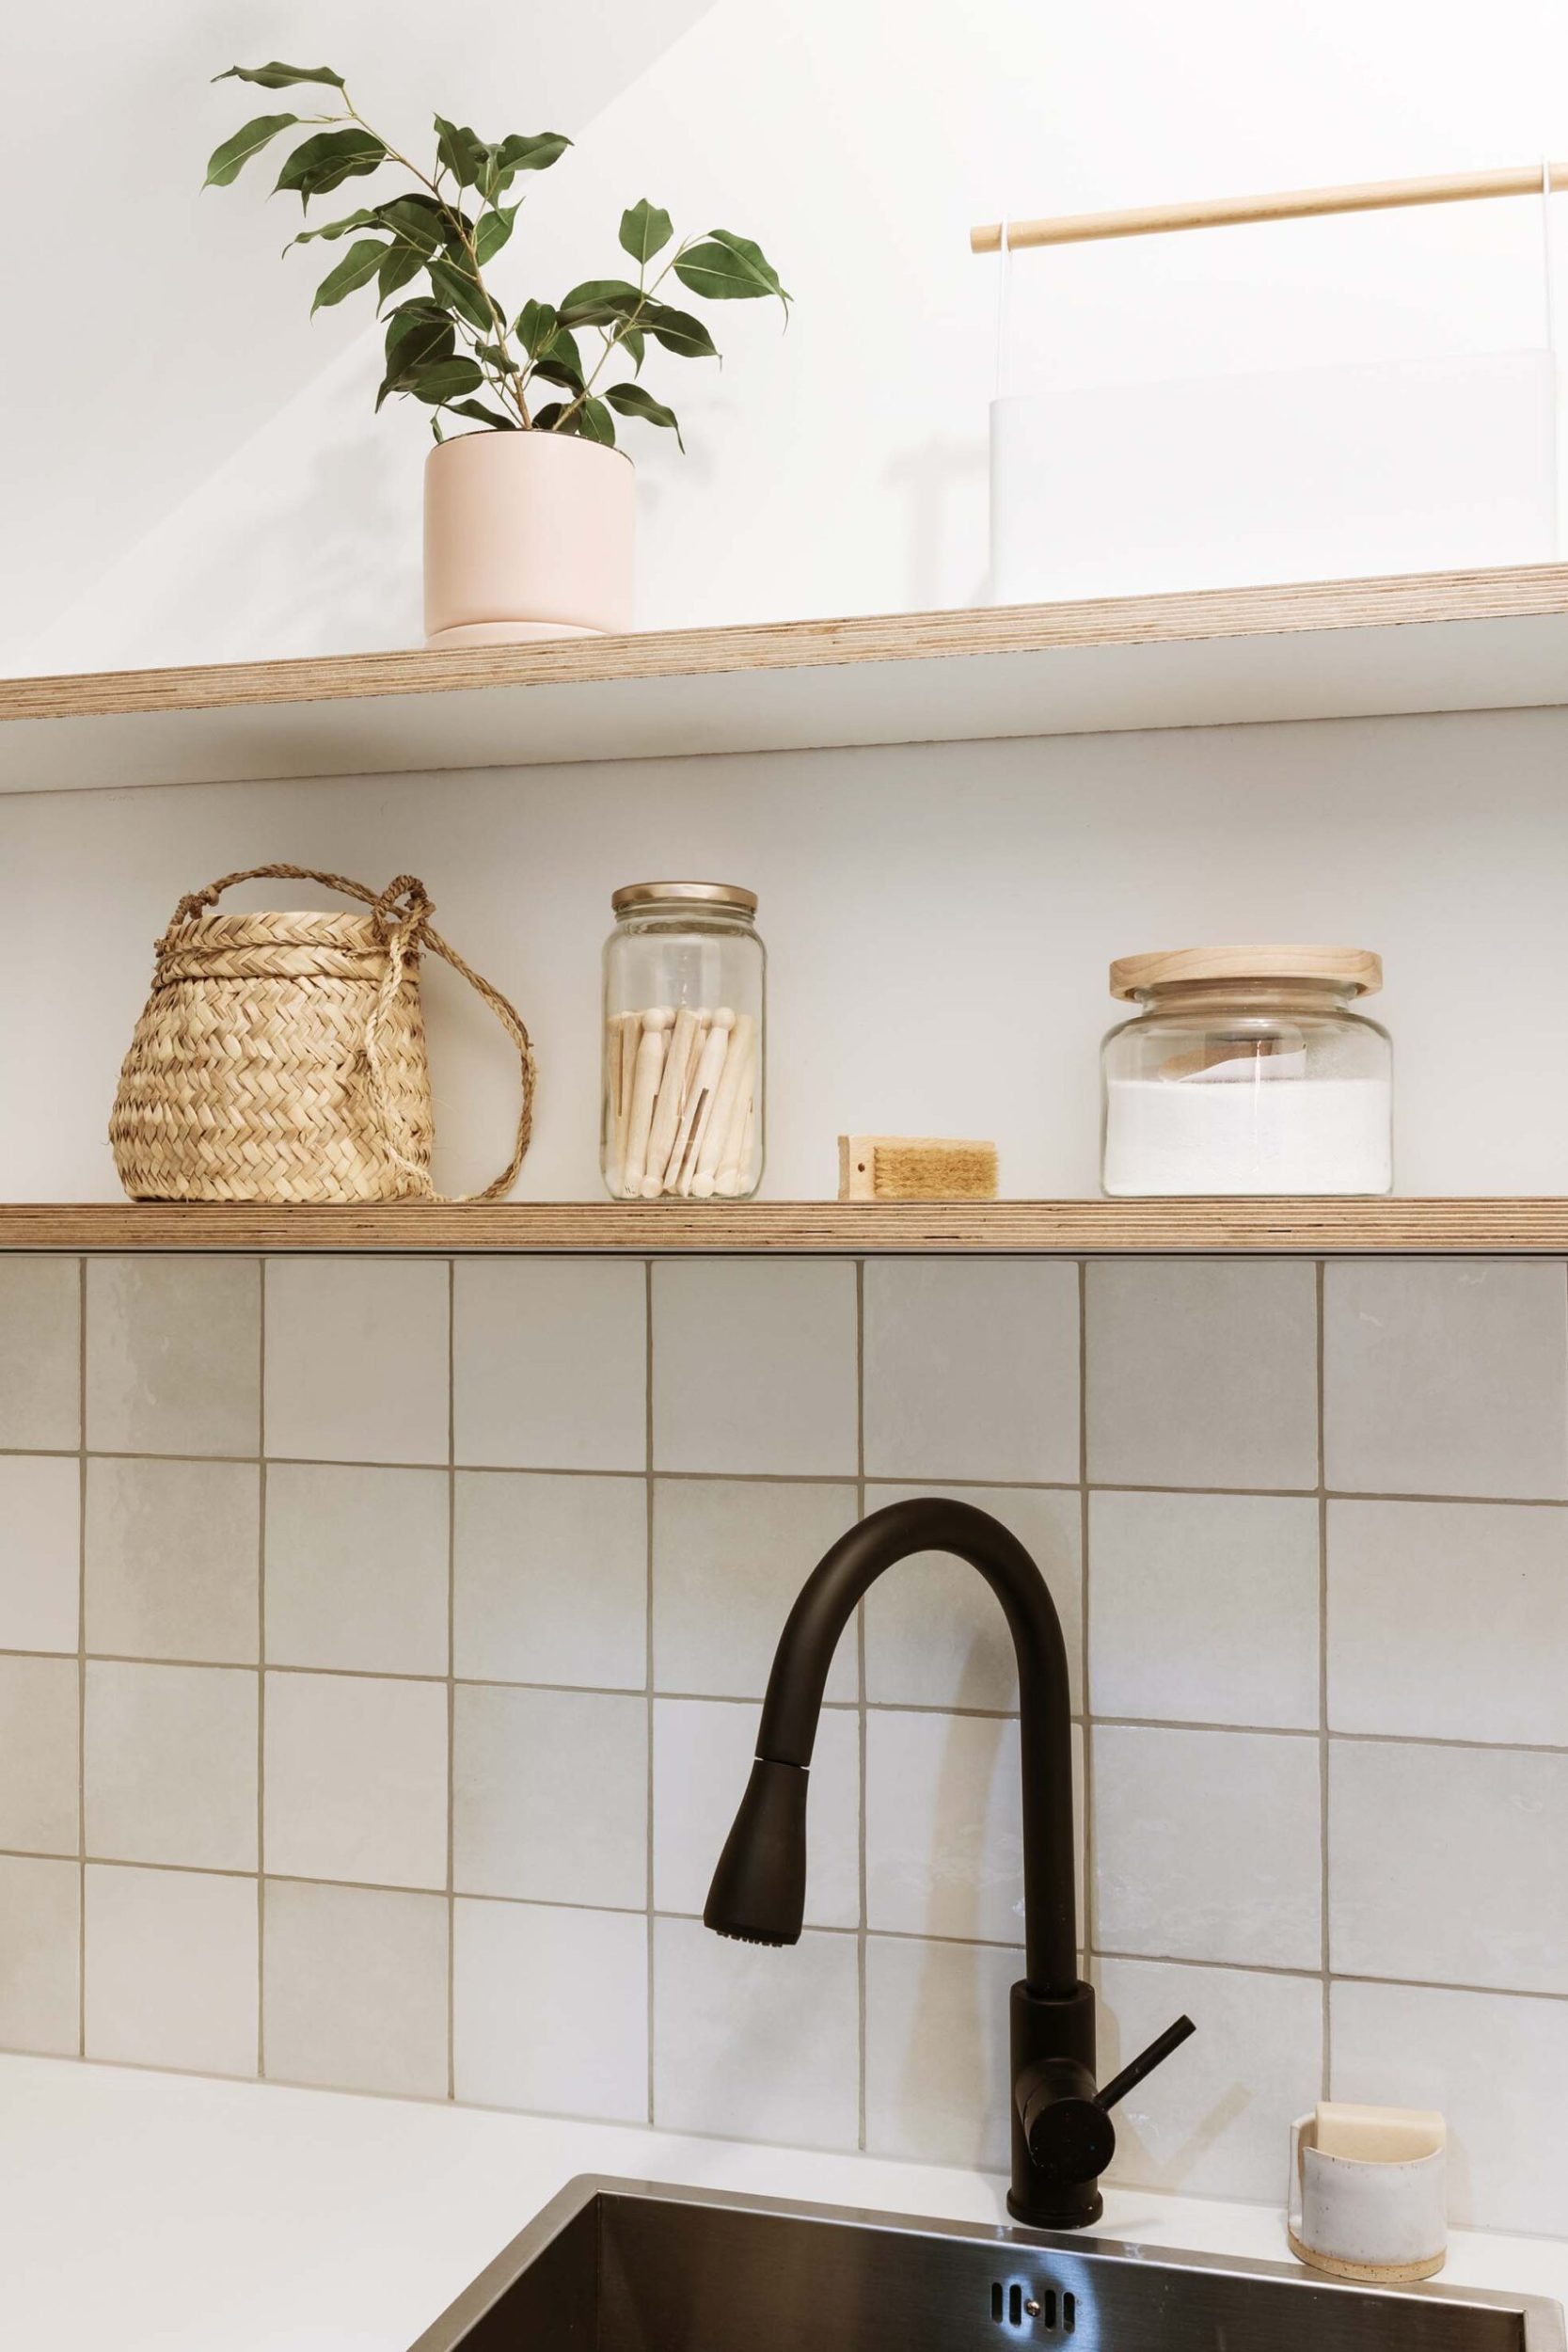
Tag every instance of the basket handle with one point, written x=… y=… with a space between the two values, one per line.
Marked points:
x=400 y=913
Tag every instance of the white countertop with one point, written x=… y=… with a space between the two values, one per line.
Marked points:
x=144 y=2210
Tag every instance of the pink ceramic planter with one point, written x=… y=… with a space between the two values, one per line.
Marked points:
x=527 y=535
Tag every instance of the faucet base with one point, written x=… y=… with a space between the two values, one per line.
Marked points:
x=1053 y=2037
x=1067 y=2210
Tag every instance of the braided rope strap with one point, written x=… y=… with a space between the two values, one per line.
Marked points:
x=400 y=915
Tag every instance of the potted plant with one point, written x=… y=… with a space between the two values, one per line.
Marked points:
x=529 y=520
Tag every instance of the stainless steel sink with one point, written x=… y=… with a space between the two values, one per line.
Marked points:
x=624 y=2266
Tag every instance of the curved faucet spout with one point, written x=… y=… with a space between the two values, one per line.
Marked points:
x=758 y=1887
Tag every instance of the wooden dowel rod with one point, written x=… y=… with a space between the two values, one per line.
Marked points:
x=1226 y=212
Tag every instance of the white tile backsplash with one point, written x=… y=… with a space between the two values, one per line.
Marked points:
x=355 y=1779
x=550 y=2010
x=729 y=1557
x=550 y=1796
x=172 y=1969
x=357 y=1359
x=506 y=1584
x=40 y=1544
x=971 y=1369
x=1208 y=1845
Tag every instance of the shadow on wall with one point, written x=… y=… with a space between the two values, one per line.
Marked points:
x=327 y=515
x=938 y=482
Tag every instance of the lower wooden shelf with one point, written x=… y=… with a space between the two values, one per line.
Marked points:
x=1068 y=1228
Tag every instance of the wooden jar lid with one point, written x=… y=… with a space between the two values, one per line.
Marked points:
x=1356 y=970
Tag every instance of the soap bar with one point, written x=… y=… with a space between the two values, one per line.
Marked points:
x=1378 y=2134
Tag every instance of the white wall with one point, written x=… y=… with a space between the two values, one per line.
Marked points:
x=858 y=142
x=939 y=919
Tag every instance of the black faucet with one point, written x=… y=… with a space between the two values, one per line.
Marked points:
x=1063 y=2138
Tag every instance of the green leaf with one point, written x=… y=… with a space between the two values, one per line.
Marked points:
x=498 y=357
x=595 y=422
x=462 y=151
x=359 y=265
x=493 y=232
x=536 y=153
x=444 y=380
x=631 y=400
x=482 y=415
x=678 y=331
x=599 y=302
x=402 y=263
x=461 y=292
x=633 y=344
x=225 y=163
x=535 y=324
x=422 y=223
x=559 y=372
x=644 y=231
x=436 y=425
x=547 y=419
x=327 y=160
x=277 y=77
x=729 y=269
x=418 y=335
x=331 y=228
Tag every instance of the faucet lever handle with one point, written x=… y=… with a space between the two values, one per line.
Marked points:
x=1145 y=2063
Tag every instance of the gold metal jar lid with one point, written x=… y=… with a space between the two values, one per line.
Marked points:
x=696 y=894
x=1355 y=970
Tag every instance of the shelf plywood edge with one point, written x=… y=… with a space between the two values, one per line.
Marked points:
x=1442 y=641
x=1476 y=1227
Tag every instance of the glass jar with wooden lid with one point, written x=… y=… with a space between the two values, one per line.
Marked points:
x=684 y=983
x=1246 y=1070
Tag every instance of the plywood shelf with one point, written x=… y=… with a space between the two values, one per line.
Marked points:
x=1071 y=1227
x=1442 y=641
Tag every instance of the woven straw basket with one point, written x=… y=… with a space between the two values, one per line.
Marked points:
x=282 y=1057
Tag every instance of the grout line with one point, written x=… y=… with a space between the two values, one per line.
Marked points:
x=82 y=1658
x=1323 y=1752
x=262 y=1677
x=451 y=1683
x=863 y=1865
x=1086 y=1925
x=648 y=1644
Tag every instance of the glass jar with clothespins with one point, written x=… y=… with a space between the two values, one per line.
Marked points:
x=684 y=980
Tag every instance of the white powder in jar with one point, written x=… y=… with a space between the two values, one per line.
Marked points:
x=1167 y=1136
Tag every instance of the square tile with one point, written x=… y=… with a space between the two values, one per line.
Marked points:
x=742 y=2032
x=550 y=2010
x=172 y=1560
x=1445 y=1865
x=1208 y=1846
x=943 y=1828
x=1446 y=1378
x=174 y=1355
x=1470 y=1600
x=39 y=1780
x=550 y=1796
x=1212 y=2119
x=357 y=1359
x=357 y=1779
x=552 y=1579
x=935 y=1634
x=1497 y=2066
x=551 y=1363
x=729 y=1557
x=40 y=1353
x=170 y=1765
x=356 y=1569
x=40 y=1944
x=40 y=1551
x=972 y=1368
x=756 y=1367
x=171 y=1962
x=938 y=2076
x=702 y=1752
x=1205 y=1608
x=355 y=1988
x=1202 y=1371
